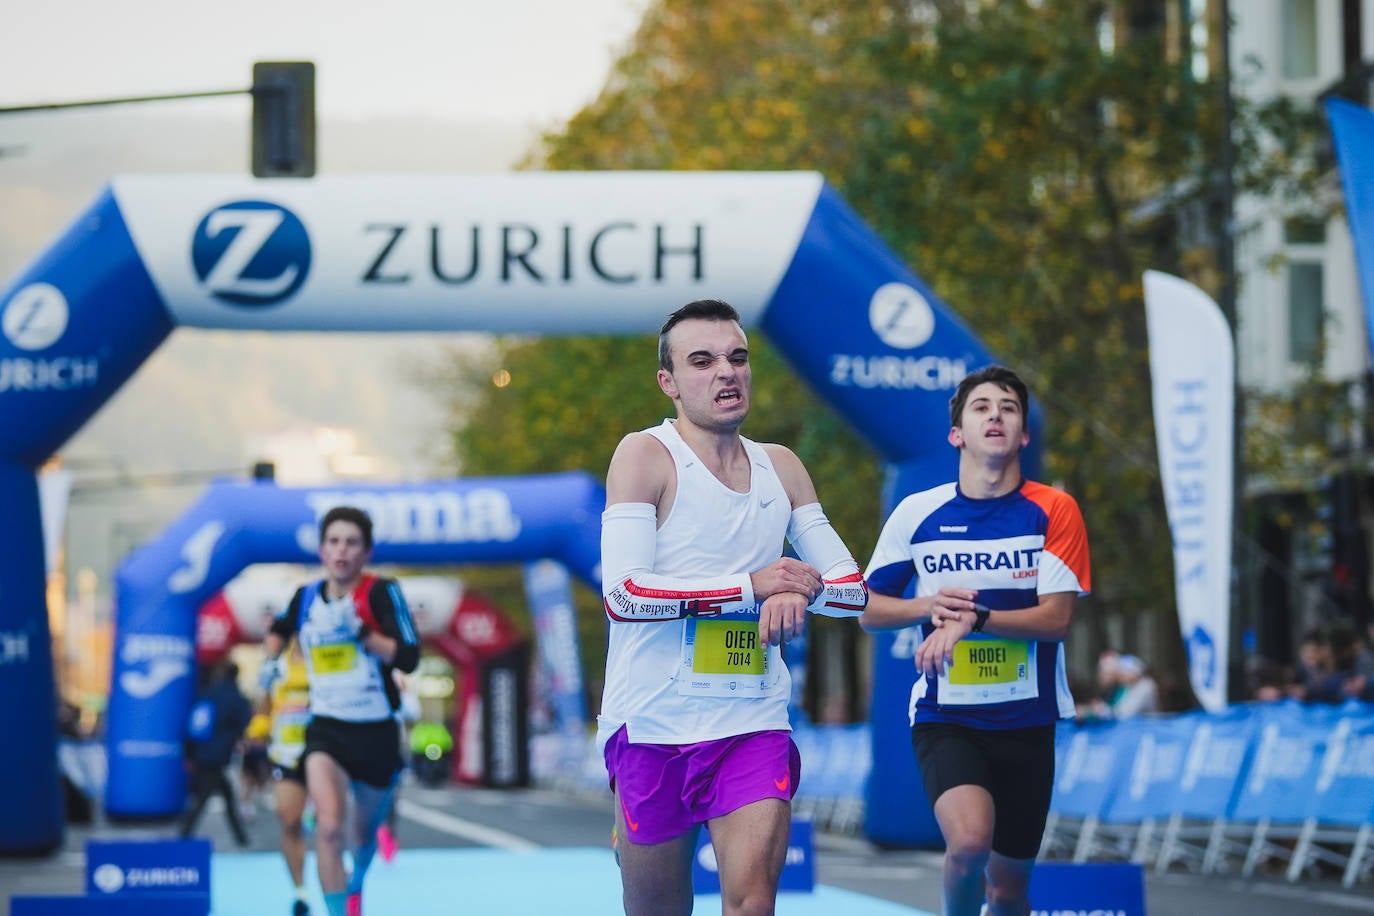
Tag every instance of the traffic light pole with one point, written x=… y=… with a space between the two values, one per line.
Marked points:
x=54 y=106
x=283 y=129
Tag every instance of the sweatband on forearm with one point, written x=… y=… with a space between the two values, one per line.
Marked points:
x=844 y=593
x=631 y=591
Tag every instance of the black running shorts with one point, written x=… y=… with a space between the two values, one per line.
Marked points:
x=1016 y=766
x=369 y=752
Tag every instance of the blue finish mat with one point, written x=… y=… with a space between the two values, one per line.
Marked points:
x=486 y=882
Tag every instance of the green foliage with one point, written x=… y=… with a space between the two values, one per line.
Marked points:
x=1003 y=149
x=997 y=147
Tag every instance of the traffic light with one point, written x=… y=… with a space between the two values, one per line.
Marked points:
x=284 y=119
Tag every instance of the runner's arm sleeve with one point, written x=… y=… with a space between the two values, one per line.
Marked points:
x=844 y=593
x=286 y=623
x=632 y=592
x=393 y=617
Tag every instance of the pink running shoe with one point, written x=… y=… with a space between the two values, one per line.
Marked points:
x=386 y=843
x=353 y=906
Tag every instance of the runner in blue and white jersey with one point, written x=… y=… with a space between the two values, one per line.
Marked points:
x=354 y=629
x=997 y=562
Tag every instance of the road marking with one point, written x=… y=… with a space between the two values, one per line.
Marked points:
x=456 y=826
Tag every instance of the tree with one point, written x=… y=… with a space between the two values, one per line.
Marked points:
x=1014 y=153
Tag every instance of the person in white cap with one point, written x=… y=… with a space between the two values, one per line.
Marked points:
x=1139 y=694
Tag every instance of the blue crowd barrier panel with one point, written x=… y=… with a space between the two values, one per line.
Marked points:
x=1337 y=828
x=813 y=744
x=798 y=869
x=1259 y=783
x=1213 y=770
x=1060 y=827
x=1274 y=799
x=142 y=868
x=1117 y=888
x=1141 y=805
x=1087 y=774
x=839 y=779
x=169 y=904
x=836 y=761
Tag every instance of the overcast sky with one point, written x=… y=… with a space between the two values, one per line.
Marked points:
x=527 y=61
x=437 y=86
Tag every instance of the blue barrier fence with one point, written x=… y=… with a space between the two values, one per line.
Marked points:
x=836 y=761
x=1281 y=783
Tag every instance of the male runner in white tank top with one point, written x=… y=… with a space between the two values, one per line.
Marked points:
x=693 y=720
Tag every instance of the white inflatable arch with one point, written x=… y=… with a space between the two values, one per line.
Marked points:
x=539 y=253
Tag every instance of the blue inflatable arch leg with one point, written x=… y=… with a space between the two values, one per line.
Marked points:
x=30 y=818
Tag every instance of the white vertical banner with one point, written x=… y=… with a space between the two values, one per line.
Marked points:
x=1192 y=369
x=54 y=493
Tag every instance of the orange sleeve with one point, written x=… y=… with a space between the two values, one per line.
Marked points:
x=1067 y=536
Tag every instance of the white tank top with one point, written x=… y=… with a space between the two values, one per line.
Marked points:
x=683 y=681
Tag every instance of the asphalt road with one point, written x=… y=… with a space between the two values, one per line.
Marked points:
x=522 y=819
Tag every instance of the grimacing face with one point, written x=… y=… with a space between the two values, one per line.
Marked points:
x=710 y=382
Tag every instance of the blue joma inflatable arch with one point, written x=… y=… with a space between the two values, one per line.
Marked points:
x=235 y=525
x=537 y=253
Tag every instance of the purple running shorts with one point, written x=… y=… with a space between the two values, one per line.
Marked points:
x=667 y=789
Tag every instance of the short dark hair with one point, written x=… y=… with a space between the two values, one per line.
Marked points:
x=348 y=514
x=715 y=309
x=1000 y=376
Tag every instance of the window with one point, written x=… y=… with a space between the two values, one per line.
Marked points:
x=1299 y=30
x=1304 y=230
x=1306 y=311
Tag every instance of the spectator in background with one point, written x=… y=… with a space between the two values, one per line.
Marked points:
x=1097 y=705
x=1316 y=678
x=1109 y=676
x=1269 y=681
x=1346 y=646
x=1364 y=660
x=78 y=784
x=1139 y=693
x=1364 y=663
x=218 y=719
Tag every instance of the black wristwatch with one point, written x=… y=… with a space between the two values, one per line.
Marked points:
x=981 y=619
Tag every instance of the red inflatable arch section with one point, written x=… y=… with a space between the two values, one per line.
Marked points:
x=463 y=626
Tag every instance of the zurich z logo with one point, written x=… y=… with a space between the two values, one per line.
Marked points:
x=251 y=253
